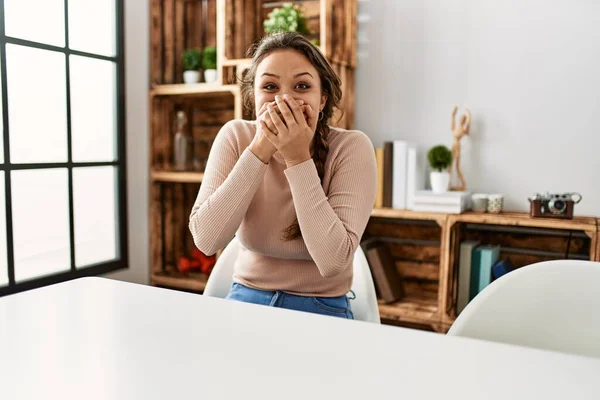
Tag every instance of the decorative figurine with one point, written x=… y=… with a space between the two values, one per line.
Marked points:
x=458 y=132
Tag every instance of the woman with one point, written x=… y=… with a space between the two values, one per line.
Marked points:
x=296 y=192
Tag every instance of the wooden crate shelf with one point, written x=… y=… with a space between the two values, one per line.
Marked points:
x=236 y=62
x=194 y=281
x=393 y=213
x=596 y=240
x=425 y=249
x=419 y=305
x=207 y=89
x=587 y=224
x=523 y=239
x=176 y=177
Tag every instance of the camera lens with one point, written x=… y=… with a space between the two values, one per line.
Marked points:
x=557 y=206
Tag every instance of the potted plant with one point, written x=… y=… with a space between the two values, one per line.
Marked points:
x=440 y=158
x=209 y=63
x=191 y=64
x=287 y=18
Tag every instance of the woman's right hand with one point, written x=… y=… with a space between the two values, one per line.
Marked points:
x=261 y=146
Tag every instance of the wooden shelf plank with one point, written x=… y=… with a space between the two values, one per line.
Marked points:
x=588 y=224
x=419 y=305
x=176 y=177
x=194 y=281
x=406 y=214
x=195 y=88
x=236 y=61
x=409 y=312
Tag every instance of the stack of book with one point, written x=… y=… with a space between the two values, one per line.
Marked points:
x=448 y=202
x=479 y=265
x=402 y=170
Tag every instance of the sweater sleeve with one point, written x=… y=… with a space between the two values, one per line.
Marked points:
x=332 y=227
x=229 y=184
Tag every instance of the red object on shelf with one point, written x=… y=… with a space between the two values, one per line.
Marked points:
x=199 y=261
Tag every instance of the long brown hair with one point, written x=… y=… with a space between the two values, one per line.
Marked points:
x=330 y=87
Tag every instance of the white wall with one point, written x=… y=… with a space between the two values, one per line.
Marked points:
x=136 y=81
x=529 y=70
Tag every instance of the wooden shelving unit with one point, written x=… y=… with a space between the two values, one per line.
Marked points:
x=530 y=240
x=425 y=247
x=419 y=306
x=176 y=177
x=194 y=281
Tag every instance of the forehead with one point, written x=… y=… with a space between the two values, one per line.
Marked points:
x=281 y=61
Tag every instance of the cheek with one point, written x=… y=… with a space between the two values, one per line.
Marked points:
x=261 y=97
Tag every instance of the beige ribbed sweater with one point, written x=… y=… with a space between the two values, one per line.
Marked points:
x=240 y=195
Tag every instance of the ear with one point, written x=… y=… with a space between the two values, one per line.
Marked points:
x=323 y=102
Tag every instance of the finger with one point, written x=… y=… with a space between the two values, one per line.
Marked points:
x=269 y=122
x=295 y=108
x=312 y=116
x=262 y=110
x=269 y=134
x=277 y=120
x=285 y=110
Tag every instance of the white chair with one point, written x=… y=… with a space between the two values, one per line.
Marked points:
x=364 y=307
x=552 y=305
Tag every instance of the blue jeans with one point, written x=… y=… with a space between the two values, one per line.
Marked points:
x=332 y=306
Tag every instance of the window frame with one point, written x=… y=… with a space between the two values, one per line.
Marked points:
x=122 y=262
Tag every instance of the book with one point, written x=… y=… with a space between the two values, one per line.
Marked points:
x=449 y=198
x=388 y=173
x=438 y=208
x=448 y=202
x=399 y=179
x=467 y=251
x=416 y=174
x=484 y=258
x=502 y=267
x=387 y=279
x=379 y=157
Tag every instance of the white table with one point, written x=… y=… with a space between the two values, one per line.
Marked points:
x=103 y=339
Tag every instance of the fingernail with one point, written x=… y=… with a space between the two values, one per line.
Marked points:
x=277 y=97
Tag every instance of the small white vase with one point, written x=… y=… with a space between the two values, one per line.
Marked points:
x=191 y=76
x=439 y=181
x=210 y=75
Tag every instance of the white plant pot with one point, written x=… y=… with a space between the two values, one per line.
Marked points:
x=439 y=181
x=210 y=75
x=191 y=76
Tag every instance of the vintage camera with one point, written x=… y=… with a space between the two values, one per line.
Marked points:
x=554 y=205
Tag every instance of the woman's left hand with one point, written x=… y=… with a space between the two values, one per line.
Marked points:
x=294 y=133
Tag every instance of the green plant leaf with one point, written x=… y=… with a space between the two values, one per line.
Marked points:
x=287 y=18
x=191 y=59
x=439 y=157
x=209 y=58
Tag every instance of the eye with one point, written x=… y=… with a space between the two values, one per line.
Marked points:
x=303 y=86
x=270 y=87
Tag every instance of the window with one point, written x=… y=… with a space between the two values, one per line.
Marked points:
x=62 y=141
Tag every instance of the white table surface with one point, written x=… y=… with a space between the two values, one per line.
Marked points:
x=95 y=338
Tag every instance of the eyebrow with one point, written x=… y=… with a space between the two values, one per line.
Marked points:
x=295 y=76
x=303 y=73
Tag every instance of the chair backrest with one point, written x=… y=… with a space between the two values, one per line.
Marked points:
x=364 y=307
x=552 y=305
